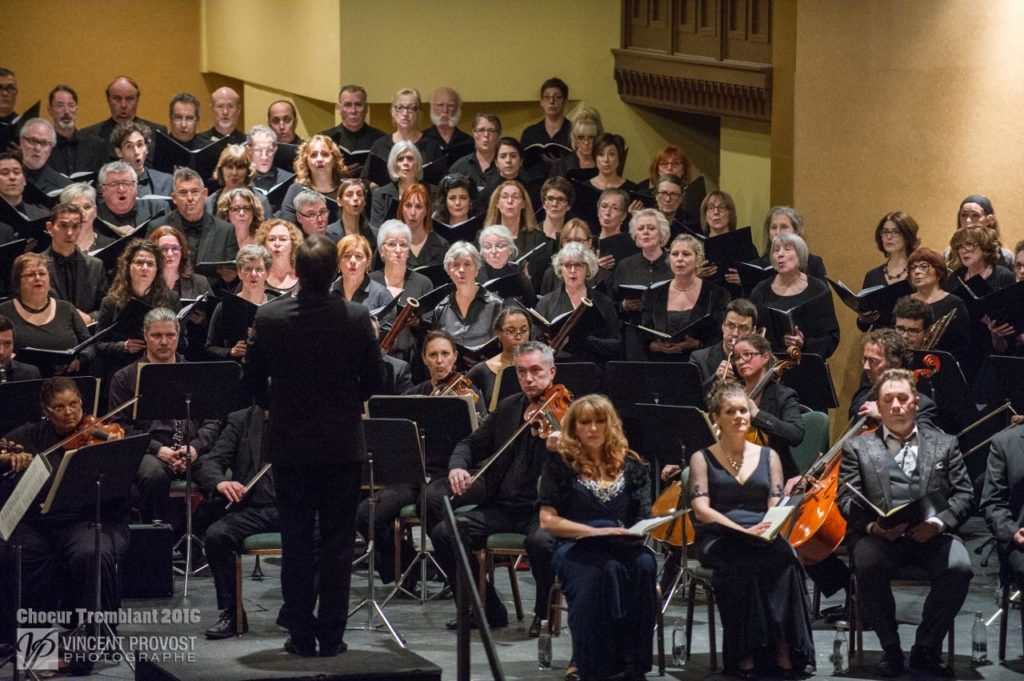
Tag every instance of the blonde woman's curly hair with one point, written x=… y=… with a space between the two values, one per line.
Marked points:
x=616 y=448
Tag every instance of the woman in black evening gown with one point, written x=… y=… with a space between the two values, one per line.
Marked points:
x=759 y=585
x=589 y=493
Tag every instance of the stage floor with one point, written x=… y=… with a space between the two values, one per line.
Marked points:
x=259 y=653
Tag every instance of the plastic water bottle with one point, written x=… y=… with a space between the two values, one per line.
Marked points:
x=678 y=644
x=841 y=649
x=979 y=640
x=544 y=646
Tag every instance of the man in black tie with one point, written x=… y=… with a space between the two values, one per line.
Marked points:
x=320 y=356
x=11 y=370
x=898 y=463
x=262 y=143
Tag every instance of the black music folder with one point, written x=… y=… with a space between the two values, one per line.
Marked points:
x=169 y=154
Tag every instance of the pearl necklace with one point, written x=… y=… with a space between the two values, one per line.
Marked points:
x=684 y=290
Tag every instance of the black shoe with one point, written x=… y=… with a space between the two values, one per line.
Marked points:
x=535 y=627
x=891 y=664
x=925 y=659
x=226 y=626
x=303 y=648
x=453 y=624
x=332 y=649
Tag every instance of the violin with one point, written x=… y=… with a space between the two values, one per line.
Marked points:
x=455 y=384
x=92 y=431
x=546 y=417
x=9 y=452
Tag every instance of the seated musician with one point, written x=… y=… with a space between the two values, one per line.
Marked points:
x=10 y=368
x=509 y=486
x=1002 y=501
x=165 y=457
x=912 y=319
x=58 y=552
x=595 y=485
x=439 y=356
x=221 y=474
x=897 y=463
x=715 y=361
x=885 y=349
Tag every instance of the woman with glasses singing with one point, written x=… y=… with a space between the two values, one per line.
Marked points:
x=394 y=239
x=556 y=195
x=895 y=238
x=586 y=127
x=405 y=114
x=1005 y=339
x=39 y=319
x=512 y=327
x=672 y=161
x=253 y=263
x=244 y=211
x=180 y=278
x=497 y=248
x=928 y=272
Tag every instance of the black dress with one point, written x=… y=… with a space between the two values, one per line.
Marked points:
x=609 y=583
x=759 y=585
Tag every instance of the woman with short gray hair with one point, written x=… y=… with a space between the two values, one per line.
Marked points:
x=597 y=337
x=498 y=248
x=468 y=312
x=84 y=196
x=226 y=339
x=394 y=240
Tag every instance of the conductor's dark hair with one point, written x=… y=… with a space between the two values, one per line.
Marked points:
x=5 y=324
x=316 y=264
x=56 y=385
x=555 y=83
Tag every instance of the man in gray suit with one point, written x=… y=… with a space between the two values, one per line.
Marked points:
x=899 y=462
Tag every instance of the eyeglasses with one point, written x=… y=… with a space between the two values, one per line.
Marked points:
x=405 y=109
x=906 y=331
x=170 y=249
x=322 y=213
x=189 y=193
x=501 y=246
x=36 y=142
x=238 y=210
x=717 y=208
x=747 y=356
x=742 y=328
x=552 y=98
x=891 y=232
x=967 y=247
x=10 y=89
x=524 y=331
x=1018 y=265
x=573 y=265
x=555 y=199
x=922 y=266
x=119 y=184
x=396 y=245
x=144 y=263
x=262 y=151
x=586 y=138
x=610 y=206
x=68 y=408
x=254 y=270
x=668 y=195
x=486 y=131
x=35 y=274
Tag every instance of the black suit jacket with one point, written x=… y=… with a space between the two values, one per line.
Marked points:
x=321 y=355
x=708 y=360
x=865 y=466
x=485 y=440
x=104 y=129
x=144 y=210
x=1002 y=498
x=19 y=371
x=237 y=455
x=778 y=417
x=91 y=284
x=216 y=243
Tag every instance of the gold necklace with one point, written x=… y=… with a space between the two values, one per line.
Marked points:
x=684 y=290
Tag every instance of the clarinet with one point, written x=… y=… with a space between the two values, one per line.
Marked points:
x=178 y=439
x=3 y=373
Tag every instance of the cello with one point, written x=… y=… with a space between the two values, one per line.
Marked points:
x=817 y=526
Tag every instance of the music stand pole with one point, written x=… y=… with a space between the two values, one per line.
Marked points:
x=370 y=602
x=189 y=537
x=100 y=621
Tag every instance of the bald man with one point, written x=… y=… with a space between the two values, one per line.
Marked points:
x=282 y=119
x=445 y=110
x=123 y=96
x=226 y=105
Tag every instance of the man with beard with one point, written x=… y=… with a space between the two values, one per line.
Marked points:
x=75 y=152
x=445 y=111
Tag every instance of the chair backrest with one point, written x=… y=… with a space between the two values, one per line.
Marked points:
x=815 y=440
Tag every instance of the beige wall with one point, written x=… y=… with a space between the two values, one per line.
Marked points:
x=911 y=106
x=87 y=43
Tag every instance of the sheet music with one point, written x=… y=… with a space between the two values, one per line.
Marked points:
x=32 y=480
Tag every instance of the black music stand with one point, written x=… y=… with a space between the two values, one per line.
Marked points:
x=1000 y=378
x=633 y=383
x=442 y=422
x=200 y=390
x=949 y=390
x=392 y=458
x=812 y=381
x=107 y=471
x=20 y=400
x=581 y=378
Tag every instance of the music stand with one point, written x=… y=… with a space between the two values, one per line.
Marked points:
x=581 y=378
x=1000 y=378
x=812 y=381
x=20 y=400
x=392 y=458
x=949 y=390
x=633 y=383
x=107 y=471
x=200 y=390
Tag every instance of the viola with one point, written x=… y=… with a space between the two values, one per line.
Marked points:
x=678 y=530
x=455 y=384
x=546 y=416
x=774 y=373
x=92 y=431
